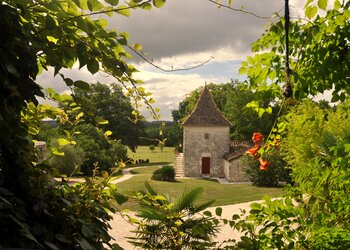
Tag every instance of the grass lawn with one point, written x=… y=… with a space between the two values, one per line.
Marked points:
x=223 y=194
x=155 y=157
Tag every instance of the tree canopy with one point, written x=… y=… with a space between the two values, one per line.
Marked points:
x=318 y=53
x=111 y=104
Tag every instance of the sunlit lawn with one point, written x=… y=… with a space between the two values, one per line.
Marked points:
x=155 y=157
x=224 y=194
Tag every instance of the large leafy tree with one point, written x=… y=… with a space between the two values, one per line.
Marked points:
x=111 y=104
x=318 y=51
x=36 y=35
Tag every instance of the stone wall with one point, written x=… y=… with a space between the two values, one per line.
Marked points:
x=234 y=171
x=201 y=142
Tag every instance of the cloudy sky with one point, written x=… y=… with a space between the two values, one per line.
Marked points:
x=182 y=34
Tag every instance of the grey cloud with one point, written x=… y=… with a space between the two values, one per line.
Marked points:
x=184 y=26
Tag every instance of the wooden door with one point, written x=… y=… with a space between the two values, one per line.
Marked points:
x=205 y=165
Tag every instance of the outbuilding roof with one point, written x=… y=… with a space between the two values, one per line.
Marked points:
x=206 y=112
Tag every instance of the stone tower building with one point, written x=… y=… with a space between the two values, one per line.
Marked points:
x=206 y=139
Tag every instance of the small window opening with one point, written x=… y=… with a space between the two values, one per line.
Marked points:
x=206 y=136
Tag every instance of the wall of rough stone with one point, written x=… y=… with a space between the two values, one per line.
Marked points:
x=197 y=145
x=234 y=171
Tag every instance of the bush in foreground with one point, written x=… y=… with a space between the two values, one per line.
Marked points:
x=276 y=173
x=167 y=224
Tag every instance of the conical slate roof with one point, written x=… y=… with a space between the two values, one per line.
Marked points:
x=206 y=113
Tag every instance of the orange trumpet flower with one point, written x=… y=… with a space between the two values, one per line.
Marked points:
x=257 y=138
x=253 y=151
x=264 y=164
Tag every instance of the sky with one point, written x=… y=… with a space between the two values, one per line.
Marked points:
x=182 y=34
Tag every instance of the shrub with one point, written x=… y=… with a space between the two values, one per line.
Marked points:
x=98 y=149
x=173 y=225
x=165 y=173
x=68 y=164
x=152 y=147
x=314 y=214
x=61 y=217
x=277 y=171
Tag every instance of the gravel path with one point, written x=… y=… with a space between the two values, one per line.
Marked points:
x=121 y=227
x=126 y=175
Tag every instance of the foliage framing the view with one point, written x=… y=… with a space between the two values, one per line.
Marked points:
x=37 y=35
x=314 y=215
x=319 y=57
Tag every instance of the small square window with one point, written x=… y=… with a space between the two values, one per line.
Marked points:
x=206 y=136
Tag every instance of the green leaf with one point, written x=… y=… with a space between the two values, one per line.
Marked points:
x=93 y=66
x=255 y=206
x=138 y=46
x=62 y=142
x=311 y=11
x=52 y=39
x=146 y=6
x=68 y=81
x=51 y=23
x=82 y=85
x=84 y=244
x=337 y=4
x=242 y=70
x=322 y=4
x=123 y=10
x=112 y=2
x=94 y=5
x=158 y=3
x=104 y=174
x=207 y=213
x=83 y=4
x=107 y=133
x=218 y=211
x=339 y=20
x=120 y=198
x=159 y=198
x=101 y=121
x=51 y=245
x=62 y=238
x=272 y=74
x=55 y=151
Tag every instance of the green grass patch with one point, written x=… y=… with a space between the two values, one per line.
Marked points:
x=155 y=157
x=223 y=194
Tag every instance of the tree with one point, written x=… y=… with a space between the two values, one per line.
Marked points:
x=110 y=103
x=321 y=37
x=99 y=152
x=36 y=35
x=70 y=163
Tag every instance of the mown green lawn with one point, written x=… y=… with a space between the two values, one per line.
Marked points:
x=223 y=194
x=155 y=157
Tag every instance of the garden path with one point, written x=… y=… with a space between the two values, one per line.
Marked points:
x=126 y=175
x=121 y=228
